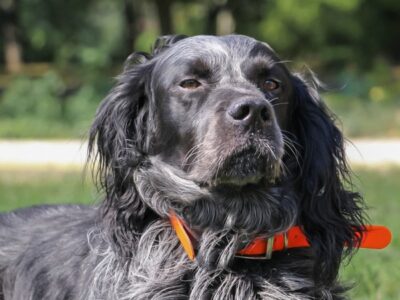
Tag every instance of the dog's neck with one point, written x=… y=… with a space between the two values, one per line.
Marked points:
x=375 y=237
x=258 y=248
x=226 y=221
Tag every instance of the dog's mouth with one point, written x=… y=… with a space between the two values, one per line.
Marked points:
x=247 y=166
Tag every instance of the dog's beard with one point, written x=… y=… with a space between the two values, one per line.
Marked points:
x=248 y=166
x=245 y=161
x=223 y=218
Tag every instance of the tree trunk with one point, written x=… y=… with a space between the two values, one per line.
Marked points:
x=12 y=48
x=164 y=16
x=211 y=25
x=129 y=25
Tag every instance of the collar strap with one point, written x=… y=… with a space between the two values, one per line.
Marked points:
x=374 y=237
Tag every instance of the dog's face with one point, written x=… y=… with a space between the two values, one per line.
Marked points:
x=221 y=105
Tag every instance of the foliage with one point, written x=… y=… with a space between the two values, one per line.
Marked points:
x=26 y=96
x=327 y=32
x=48 y=107
x=368 y=104
x=360 y=118
x=350 y=43
x=86 y=33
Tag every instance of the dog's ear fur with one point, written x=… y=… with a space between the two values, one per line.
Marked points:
x=120 y=140
x=165 y=41
x=329 y=212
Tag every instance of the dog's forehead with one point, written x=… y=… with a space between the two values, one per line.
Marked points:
x=215 y=50
x=226 y=45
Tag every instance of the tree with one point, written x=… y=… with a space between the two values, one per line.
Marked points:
x=164 y=12
x=9 y=27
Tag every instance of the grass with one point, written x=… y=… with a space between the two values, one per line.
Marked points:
x=376 y=273
x=31 y=187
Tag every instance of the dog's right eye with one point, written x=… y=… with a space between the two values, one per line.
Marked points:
x=190 y=84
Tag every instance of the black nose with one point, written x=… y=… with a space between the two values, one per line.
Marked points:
x=250 y=111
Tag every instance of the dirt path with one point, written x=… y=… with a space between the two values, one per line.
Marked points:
x=72 y=153
x=374 y=152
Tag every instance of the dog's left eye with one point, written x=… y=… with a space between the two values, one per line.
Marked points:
x=190 y=84
x=270 y=85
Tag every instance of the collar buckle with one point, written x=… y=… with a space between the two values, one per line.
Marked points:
x=268 y=251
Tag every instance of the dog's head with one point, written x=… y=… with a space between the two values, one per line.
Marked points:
x=205 y=122
x=221 y=105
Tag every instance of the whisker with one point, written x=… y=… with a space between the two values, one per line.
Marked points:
x=273 y=99
x=194 y=151
x=292 y=148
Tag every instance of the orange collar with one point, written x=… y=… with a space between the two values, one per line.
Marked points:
x=374 y=237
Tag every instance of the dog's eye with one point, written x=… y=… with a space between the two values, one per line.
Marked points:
x=190 y=84
x=270 y=85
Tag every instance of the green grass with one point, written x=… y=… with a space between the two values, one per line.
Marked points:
x=31 y=187
x=375 y=273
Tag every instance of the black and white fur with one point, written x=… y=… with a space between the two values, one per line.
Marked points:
x=161 y=144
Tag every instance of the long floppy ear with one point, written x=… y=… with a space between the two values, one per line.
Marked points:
x=329 y=212
x=120 y=140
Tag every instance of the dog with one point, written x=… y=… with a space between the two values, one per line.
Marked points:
x=218 y=132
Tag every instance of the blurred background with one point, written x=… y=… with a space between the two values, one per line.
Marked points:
x=58 y=60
